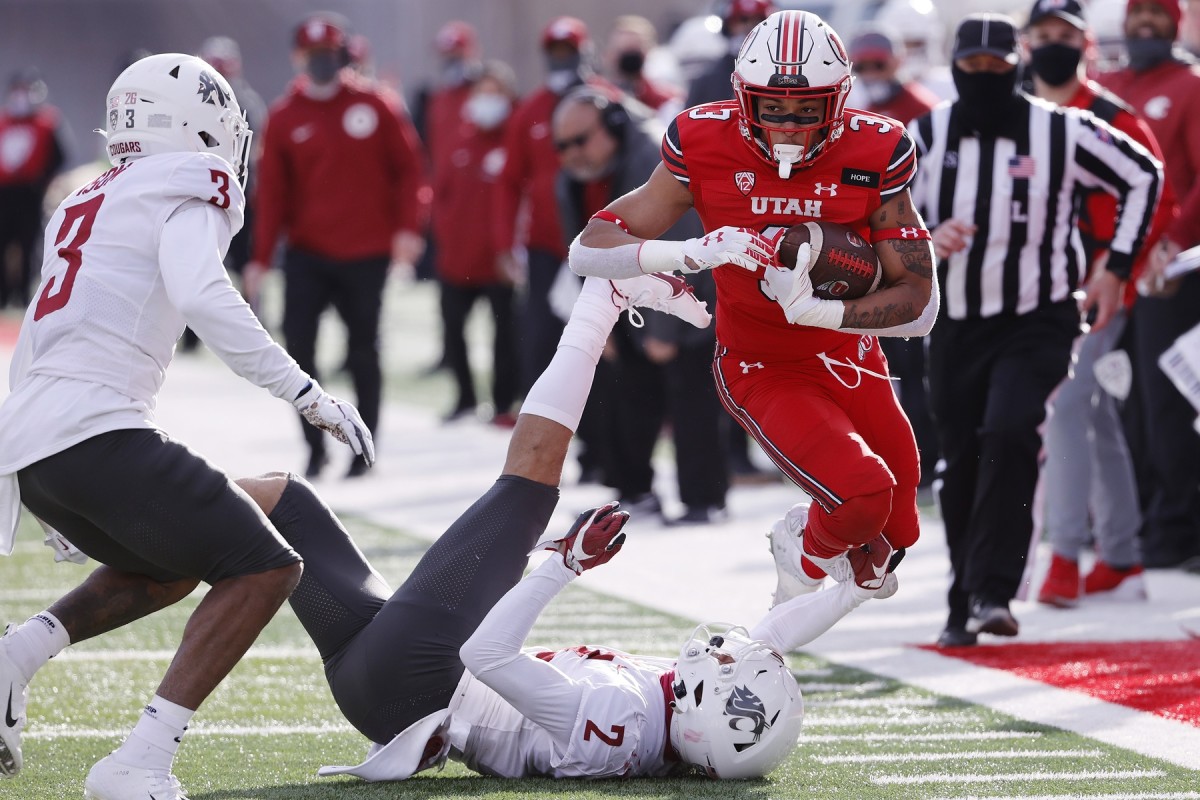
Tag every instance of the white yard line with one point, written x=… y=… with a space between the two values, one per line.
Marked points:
x=909 y=780
x=69 y=732
x=970 y=755
x=876 y=702
x=911 y=719
x=167 y=655
x=964 y=736
x=857 y=688
x=1121 y=796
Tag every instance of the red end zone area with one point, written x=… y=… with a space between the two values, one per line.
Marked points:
x=9 y=328
x=1162 y=678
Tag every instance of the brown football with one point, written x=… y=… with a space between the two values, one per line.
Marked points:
x=842 y=264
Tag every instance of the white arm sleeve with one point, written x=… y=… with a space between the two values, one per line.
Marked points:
x=920 y=326
x=536 y=688
x=605 y=262
x=805 y=617
x=189 y=255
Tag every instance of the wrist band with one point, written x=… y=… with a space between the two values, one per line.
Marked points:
x=912 y=233
x=608 y=216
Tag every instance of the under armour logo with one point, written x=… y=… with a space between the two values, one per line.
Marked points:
x=747 y=367
x=714 y=238
x=908 y=233
x=821 y=188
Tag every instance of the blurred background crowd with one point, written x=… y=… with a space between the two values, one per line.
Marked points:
x=466 y=143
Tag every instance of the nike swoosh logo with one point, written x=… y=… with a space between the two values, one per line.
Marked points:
x=8 y=717
x=880 y=571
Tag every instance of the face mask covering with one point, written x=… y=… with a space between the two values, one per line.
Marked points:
x=323 y=66
x=983 y=98
x=563 y=73
x=19 y=105
x=1146 y=53
x=877 y=92
x=454 y=73
x=1055 y=63
x=487 y=111
x=630 y=63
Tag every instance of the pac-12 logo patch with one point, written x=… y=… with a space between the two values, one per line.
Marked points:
x=744 y=181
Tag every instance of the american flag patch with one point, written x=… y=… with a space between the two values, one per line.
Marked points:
x=1021 y=167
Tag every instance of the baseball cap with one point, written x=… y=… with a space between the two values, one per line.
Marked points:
x=565 y=29
x=1172 y=7
x=991 y=34
x=1069 y=11
x=323 y=30
x=456 y=38
x=872 y=44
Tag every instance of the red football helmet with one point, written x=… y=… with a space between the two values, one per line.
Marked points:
x=792 y=55
x=571 y=30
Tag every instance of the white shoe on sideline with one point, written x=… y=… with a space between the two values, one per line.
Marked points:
x=660 y=291
x=14 y=694
x=784 y=538
x=112 y=780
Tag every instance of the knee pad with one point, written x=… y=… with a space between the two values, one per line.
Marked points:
x=856 y=521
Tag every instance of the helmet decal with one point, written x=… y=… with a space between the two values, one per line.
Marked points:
x=211 y=91
x=744 y=704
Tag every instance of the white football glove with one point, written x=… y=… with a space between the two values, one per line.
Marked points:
x=728 y=245
x=793 y=291
x=340 y=419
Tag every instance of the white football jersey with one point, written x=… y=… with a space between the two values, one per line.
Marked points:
x=619 y=726
x=117 y=281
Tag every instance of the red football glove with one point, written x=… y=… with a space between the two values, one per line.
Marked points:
x=594 y=538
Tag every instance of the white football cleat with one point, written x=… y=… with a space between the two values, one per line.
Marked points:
x=660 y=291
x=14 y=693
x=112 y=780
x=784 y=538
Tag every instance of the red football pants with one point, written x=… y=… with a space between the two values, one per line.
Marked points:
x=846 y=447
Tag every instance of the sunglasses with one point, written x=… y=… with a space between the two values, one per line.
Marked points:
x=869 y=66
x=563 y=145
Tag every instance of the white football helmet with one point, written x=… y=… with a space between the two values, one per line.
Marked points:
x=171 y=103
x=737 y=708
x=792 y=55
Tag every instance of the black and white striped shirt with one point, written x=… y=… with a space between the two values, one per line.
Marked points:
x=1023 y=192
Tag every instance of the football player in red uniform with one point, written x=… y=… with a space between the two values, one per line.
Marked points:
x=803 y=375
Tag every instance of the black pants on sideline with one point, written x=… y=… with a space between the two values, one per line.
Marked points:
x=699 y=428
x=906 y=361
x=457 y=302
x=1171 y=454
x=540 y=330
x=989 y=380
x=20 y=225
x=355 y=289
x=392 y=658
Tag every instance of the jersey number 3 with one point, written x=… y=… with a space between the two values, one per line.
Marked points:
x=618 y=734
x=84 y=214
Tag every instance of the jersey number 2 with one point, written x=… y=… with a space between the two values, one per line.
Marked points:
x=85 y=214
x=618 y=734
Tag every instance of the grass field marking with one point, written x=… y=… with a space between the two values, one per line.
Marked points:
x=878 y=702
x=883 y=758
x=268 y=652
x=1121 y=796
x=51 y=732
x=967 y=736
x=871 y=721
x=866 y=687
x=1017 y=777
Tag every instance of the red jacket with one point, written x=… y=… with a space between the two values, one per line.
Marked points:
x=35 y=153
x=912 y=101
x=1167 y=97
x=338 y=177
x=463 y=206
x=443 y=121
x=1099 y=217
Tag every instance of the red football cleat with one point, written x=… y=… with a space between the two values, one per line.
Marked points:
x=1061 y=587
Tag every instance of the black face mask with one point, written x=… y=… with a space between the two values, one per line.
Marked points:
x=630 y=63
x=1055 y=63
x=1147 y=53
x=323 y=66
x=984 y=99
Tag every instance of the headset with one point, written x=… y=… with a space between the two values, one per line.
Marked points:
x=613 y=116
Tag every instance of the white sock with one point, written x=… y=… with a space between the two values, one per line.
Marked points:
x=35 y=641
x=561 y=391
x=156 y=737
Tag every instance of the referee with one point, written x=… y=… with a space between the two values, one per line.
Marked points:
x=1001 y=179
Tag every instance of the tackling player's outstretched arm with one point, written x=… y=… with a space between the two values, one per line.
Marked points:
x=619 y=241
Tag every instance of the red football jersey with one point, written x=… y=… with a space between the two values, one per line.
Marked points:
x=730 y=185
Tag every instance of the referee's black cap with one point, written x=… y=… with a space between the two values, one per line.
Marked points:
x=990 y=34
x=1069 y=11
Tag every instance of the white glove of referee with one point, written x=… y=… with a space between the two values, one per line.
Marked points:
x=793 y=292
x=338 y=417
x=728 y=245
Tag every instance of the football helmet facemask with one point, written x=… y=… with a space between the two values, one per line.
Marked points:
x=792 y=55
x=173 y=103
x=737 y=709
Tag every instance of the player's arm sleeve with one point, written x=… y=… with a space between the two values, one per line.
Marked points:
x=270 y=196
x=672 y=154
x=1107 y=159
x=411 y=192
x=189 y=254
x=536 y=688
x=901 y=167
x=805 y=617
